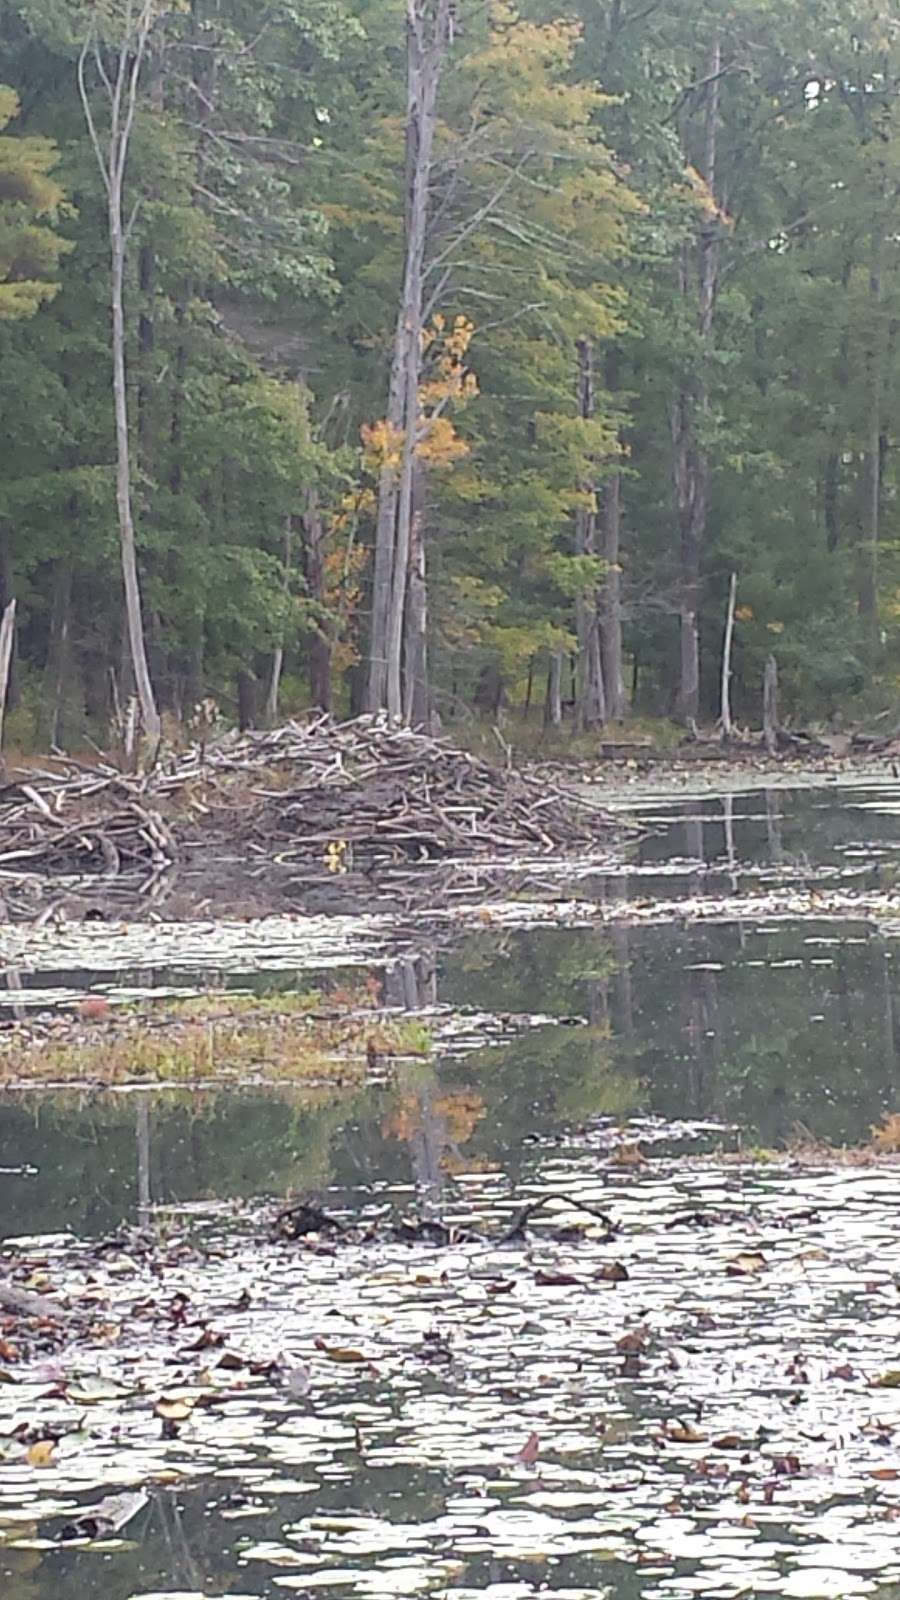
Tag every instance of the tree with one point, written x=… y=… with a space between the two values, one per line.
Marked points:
x=120 y=75
x=30 y=203
x=429 y=32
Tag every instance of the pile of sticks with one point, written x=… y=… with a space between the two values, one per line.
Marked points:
x=362 y=793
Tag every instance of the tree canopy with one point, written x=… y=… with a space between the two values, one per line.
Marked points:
x=468 y=352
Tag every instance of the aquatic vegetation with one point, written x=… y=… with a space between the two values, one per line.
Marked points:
x=213 y=1038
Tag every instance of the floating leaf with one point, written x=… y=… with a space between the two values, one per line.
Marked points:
x=529 y=1452
x=747 y=1264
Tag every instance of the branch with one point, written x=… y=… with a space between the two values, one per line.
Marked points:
x=88 y=113
x=703 y=83
x=480 y=216
x=101 y=67
x=144 y=26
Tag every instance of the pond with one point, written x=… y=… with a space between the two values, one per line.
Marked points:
x=696 y=1396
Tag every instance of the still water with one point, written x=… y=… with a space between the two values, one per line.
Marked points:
x=743 y=1035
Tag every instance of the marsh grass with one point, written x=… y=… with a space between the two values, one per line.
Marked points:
x=218 y=1038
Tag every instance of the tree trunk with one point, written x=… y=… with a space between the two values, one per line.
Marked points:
x=554 y=716
x=7 y=634
x=56 y=672
x=248 y=699
x=590 y=710
x=134 y=615
x=6 y=594
x=610 y=599
x=111 y=155
x=428 y=33
x=727 y=728
x=689 y=416
x=271 y=711
x=529 y=689
x=416 y=703
x=870 y=518
x=319 y=645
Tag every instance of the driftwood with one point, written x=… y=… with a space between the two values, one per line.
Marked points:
x=366 y=793
x=305 y=1217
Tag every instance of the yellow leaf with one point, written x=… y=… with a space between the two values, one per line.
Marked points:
x=684 y=1433
x=887 y=1137
x=41 y=1454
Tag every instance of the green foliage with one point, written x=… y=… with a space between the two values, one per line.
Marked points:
x=268 y=170
x=30 y=203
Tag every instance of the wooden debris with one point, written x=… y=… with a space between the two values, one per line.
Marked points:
x=363 y=794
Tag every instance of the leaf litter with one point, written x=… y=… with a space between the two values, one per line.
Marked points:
x=718 y=1417
x=699 y=1396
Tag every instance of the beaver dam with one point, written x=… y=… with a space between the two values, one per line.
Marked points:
x=328 y=798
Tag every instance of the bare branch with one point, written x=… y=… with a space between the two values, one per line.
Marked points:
x=89 y=115
x=144 y=28
x=481 y=215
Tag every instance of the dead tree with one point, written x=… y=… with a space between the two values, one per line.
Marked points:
x=727 y=726
x=429 y=30
x=690 y=412
x=7 y=635
x=121 y=83
x=590 y=690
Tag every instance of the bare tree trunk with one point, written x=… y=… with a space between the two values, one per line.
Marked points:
x=58 y=655
x=318 y=643
x=590 y=709
x=831 y=487
x=727 y=727
x=428 y=35
x=7 y=634
x=686 y=485
x=689 y=414
x=7 y=588
x=770 y=706
x=416 y=703
x=610 y=599
x=529 y=689
x=149 y=713
x=122 y=88
x=870 y=518
x=271 y=711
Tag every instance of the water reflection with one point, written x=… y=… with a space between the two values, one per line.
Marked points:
x=786 y=1031
x=778 y=1030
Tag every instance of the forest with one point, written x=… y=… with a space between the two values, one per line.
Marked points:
x=447 y=358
